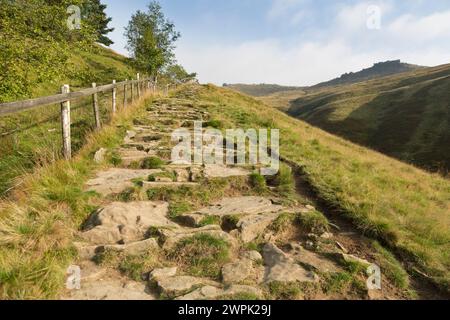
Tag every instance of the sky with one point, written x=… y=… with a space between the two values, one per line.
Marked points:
x=296 y=42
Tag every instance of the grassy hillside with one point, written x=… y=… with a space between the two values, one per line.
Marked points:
x=408 y=209
x=406 y=116
x=404 y=207
x=33 y=137
x=258 y=90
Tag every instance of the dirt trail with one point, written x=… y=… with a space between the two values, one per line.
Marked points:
x=236 y=245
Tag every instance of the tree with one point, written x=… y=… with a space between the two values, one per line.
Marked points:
x=177 y=73
x=95 y=16
x=151 y=39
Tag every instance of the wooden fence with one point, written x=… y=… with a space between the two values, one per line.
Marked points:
x=137 y=88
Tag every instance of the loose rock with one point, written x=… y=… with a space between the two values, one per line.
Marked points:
x=280 y=268
x=236 y=272
x=176 y=286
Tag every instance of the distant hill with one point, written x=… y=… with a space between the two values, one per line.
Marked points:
x=259 y=90
x=406 y=116
x=378 y=70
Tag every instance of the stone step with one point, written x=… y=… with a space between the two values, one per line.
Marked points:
x=222 y=171
x=281 y=268
x=164 y=184
x=170 y=237
x=115 y=180
x=131 y=155
x=213 y=293
x=112 y=289
x=240 y=206
x=126 y=223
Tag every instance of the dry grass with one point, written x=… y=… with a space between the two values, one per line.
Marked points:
x=38 y=223
x=406 y=208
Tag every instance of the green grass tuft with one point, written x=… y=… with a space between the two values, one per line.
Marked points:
x=202 y=255
x=152 y=163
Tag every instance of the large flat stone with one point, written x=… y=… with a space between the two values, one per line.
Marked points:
x=111 y=290
x=171 y=237
x=176 y=286
x=240 y=206
x=237 y=272
x=131 y=155
x=213 y=293
x=280 y=268
x=114 y=180
x=220 y=171
x=126 y=222
x=135 y=248
x=313 y=260
x=251 y=227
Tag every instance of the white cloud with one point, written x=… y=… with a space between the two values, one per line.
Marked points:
x=280 y=8
x=346 y=45
x=413 y=28
x=269 y=62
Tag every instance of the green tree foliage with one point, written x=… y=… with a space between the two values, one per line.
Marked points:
x=35 y=43
x=151 y=39
x=94 y=14
x=177 y=73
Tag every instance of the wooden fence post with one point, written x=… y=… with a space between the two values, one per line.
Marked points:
x=138 y=76
x=114 y=97
x=125 y=100
x=167 y=89
x=65 y=124
x=95 y=106
x=132 y=90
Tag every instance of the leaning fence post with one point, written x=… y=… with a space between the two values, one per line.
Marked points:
x=95 y=106
x=114 y=97
x=65 y=124
x=138 y=85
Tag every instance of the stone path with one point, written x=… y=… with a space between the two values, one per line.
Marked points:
x=142 y=227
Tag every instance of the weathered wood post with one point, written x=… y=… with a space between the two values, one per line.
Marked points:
x=65 y=124
x=138 y=76
x=167 y=90
x=95 y=106
x=125 y=100
x=132 y=90
x=114 y=97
